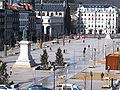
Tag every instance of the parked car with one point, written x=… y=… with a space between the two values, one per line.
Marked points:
x=38 y=87
x=6 y=87
x=70 y=87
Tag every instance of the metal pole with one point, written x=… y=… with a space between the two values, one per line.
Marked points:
x=41 y=39
x=74 y=61
x=113 y=47
x=94 y=56
x=105 y=50
x=5 y=35
x=54 y=78
x=79 y=30
x=95 y=24
x=84 y=55
x=91 y=74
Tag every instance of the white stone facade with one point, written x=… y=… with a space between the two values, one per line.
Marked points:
x=97 y=18
x=52 y=19
x=25 y=58
x=52 y=23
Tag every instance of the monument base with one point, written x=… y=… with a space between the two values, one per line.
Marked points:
x=25 y=59
x=107 y=36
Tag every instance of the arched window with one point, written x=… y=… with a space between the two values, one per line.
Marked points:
x=52 y=14
x=60 y=13
x=43 y=14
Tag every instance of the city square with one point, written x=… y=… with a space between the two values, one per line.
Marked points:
x=26 y=77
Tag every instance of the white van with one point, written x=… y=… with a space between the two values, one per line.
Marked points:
x=70 y=87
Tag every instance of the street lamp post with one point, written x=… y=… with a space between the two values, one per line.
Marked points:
x=105 y=50
x=79 y=30
x=53 y=63
x=42 y=37
x=54 y=77
x=95 y=24
x=84 y=55
x=94 y=56
x=113 y=47
x=91 y=74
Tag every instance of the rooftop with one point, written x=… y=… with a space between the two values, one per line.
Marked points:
x=98 y=5
x=50 y=7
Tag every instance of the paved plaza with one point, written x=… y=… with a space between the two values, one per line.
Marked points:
x=79 y=63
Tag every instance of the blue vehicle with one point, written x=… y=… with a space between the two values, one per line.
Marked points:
x=38 y=87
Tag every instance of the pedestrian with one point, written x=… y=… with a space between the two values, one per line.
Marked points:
x=69 y=41
x=64 y=51
x=108 y=69
x=50 y=49
x=10 y=70
x=83 y=41
x=102 y=75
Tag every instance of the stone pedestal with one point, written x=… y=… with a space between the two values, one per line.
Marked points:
x=107 y=36
x=25 y=59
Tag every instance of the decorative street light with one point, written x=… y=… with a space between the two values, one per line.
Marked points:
x=91 y=74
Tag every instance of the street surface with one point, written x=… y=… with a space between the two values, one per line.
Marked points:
x=96 y=49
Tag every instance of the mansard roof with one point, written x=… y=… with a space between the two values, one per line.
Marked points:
x=50 y=7
x=98 y=6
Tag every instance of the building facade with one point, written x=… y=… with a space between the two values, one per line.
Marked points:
x=9 y=25
x=52 y=19
x=27 y=19
x=97 y=19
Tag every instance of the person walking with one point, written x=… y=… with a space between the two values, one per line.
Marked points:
x=102 y=75
x=10 y=70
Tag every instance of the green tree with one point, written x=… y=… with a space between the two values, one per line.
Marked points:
x=44 y=59
x=59 y=57
x=3 y=73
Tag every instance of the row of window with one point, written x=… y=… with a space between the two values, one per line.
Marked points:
x=107 y=15
x=97 y=10
x=97 y=19
x=83 y=26
x=23 y=16
x=112 y=22
x=51 y=13
x=23 y=23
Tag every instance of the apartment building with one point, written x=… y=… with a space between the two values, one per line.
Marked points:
x=97 y=19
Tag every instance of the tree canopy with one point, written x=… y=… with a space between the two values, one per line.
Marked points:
x=3 y=73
